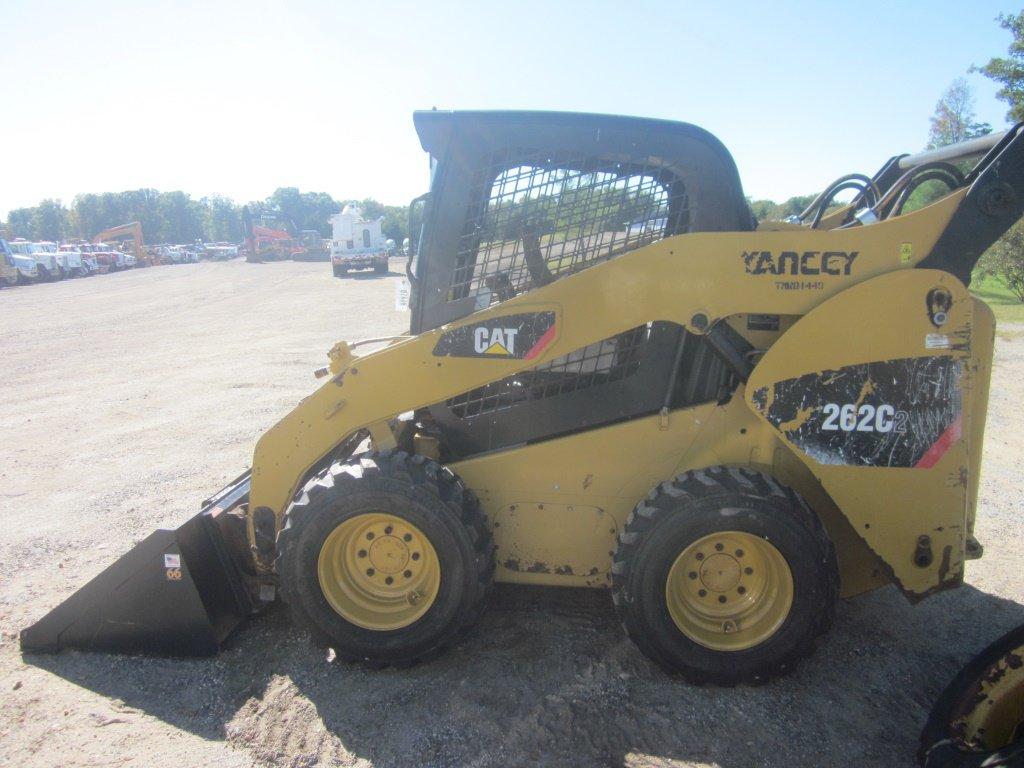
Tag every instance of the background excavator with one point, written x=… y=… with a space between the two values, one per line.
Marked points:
x=131 y=231
x=267 y=243
x=615 y=378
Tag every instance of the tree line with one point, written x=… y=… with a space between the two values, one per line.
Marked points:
x=176 y=217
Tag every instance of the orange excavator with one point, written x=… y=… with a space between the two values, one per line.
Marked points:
x=263 y=243
x=133 y=230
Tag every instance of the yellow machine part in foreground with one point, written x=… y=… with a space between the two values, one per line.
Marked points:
x=556 y=506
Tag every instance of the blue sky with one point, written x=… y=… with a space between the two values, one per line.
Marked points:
x=239 y=98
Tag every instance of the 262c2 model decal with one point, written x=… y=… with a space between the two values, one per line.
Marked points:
x=865 y=418
x=888 y=413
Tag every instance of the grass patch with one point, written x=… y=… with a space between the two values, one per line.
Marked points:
x=1005 y=305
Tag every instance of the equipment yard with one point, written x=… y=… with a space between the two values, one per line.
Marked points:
x=126 y=404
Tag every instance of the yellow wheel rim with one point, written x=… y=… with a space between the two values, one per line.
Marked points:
x=729 y=591
x=379 y=571
x=995 y=720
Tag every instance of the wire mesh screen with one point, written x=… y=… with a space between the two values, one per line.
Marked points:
x=601 y=363
x=533 y=219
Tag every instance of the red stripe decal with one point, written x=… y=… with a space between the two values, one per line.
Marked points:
x=940 y=446
x=542 y=342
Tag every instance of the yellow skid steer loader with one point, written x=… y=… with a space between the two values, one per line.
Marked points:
x=614 y=378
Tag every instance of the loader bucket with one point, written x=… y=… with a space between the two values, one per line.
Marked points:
x=176 y=593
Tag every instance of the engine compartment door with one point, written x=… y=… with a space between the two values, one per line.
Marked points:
x=878 y=390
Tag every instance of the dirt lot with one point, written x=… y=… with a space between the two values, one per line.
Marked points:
x=128 y=398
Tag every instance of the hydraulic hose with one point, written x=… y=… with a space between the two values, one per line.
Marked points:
x=858 y=181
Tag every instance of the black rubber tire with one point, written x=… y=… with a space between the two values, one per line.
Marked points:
x=938 y=747
x=339 y=271
x=380 y=269
x=694 y=505
x=420 y=491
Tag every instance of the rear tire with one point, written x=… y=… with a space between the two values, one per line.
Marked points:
x=339 y=271
x=724 y=576
x=437 y=521
x=380 y=268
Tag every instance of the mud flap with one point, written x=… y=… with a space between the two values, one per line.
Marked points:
x=176 y=593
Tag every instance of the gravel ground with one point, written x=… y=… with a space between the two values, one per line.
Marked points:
x=130 y=397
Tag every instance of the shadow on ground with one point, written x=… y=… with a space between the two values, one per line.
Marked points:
x=549 y=678
x=369 y=274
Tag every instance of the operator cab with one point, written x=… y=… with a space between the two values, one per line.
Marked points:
x=520 y=199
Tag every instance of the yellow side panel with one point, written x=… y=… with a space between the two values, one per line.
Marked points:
x=875 y=390
x=587 y=483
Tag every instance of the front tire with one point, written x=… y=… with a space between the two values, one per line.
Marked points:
x=386 y=559
x=724 y=576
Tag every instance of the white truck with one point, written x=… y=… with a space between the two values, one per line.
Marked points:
x=46 y=261
x=71 y=261
x=357 y=243
x=14 y=268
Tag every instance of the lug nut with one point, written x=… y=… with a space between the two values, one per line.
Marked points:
x=722 y=598
x=739 y=553
x=692 y=574
x=388 y=529
x=369 y=535
x=407 y=537
x=748 y=571
x=703 y=593
x=719 y=547
x=415 y=555
x=700 y=555
x=370 y=571
x=362 y=553
x=389 y=580
x=408 y=574
x=742 y=590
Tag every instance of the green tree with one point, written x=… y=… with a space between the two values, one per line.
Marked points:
x=49 y=220
x=769 y=210
x=1008 y=70
x=223 y=219
x=953 y=120
x=302 y=210
x=1004 y=261
x=20 y=222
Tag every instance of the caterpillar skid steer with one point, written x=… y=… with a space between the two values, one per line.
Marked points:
x=614 y=378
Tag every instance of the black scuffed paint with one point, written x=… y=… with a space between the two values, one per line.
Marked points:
x=926 y=389
x=760 y=398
